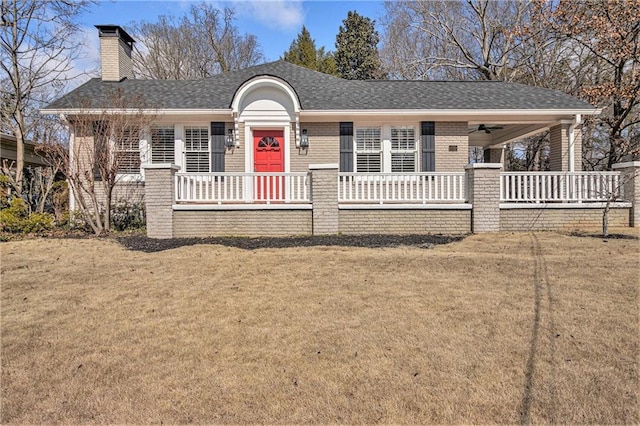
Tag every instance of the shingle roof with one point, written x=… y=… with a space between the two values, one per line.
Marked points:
x=318 y=91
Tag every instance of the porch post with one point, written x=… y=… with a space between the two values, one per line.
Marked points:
x=159 y=196
x=630 y=179
x=483 y=181
x=494 y=155
x=565 y=147
x=324 y=196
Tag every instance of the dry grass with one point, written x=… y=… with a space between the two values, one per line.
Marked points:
x=509 y=328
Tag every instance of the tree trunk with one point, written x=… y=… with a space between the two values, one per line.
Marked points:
x=605 y=219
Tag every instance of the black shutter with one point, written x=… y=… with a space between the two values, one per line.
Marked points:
x=428 y=139
x=346 y=146
x=217 y=146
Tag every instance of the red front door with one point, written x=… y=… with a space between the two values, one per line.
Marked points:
x=268 y=156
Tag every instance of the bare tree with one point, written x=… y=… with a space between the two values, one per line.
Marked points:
x=37 y=181
x=37 y=48
x=104 y=146
x=590 y=49
x=473 y=39
x=609 y=33
x=203 y=43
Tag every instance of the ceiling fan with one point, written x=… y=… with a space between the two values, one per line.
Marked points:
x=486 y=129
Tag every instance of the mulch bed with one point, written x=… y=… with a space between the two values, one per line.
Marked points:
x=608 y=237
x=149 y=245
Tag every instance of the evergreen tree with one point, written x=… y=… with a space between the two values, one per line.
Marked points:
x=356 y=53
x=303 y=52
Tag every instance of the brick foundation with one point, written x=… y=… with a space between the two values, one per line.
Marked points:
x=415 y=221
x=241 y=223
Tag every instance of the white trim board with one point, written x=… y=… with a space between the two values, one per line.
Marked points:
x=584 y=205
x=440 y=206
x=230 y=207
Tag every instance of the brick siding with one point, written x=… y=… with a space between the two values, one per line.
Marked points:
x=452 y=134
x=484 y=195
x=115 y=57
x=559 y=148
x=245 y=223
x=324 y=146
x=380 y=221
x=324 y=193
x=159 y=202
x=542 y=219
x=234 y=158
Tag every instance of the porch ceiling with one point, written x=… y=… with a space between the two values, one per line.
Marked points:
x=508 y=133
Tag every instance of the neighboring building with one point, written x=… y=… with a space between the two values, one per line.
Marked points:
x=243 y=140
x=8 y=152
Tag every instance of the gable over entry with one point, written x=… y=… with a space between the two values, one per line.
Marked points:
x=266 y=104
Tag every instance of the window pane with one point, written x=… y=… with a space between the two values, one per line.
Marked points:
x=403 y=149
x=368 y=139
x=368 y=163
x=403 y=138
x=197 y=162
x=403 y=162
x=196 y=140
x=128 y=151
x=163 y=144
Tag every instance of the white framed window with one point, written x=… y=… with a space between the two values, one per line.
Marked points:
x=127 y=149
x=197 y=149
x=163 y=140
x=386 y=149
x=368 y=149
x=403 y=149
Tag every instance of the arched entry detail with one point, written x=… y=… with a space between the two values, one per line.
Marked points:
x=267 y=103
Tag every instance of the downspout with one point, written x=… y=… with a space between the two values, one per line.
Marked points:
x=572 y=153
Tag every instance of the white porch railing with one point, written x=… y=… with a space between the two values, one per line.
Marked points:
x=541 y=187
x=411 y=188
x=242 y=188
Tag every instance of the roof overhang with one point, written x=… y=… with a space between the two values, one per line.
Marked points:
x=471 y=115
x=97 y=111
x=477 y=116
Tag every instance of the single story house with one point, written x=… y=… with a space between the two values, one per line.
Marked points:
x=278 y=149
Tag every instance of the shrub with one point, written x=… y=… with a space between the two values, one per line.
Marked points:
x=126 y=215
x=38 y=222
x=16 y=219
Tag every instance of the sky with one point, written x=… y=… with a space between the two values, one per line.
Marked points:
x=275 y=23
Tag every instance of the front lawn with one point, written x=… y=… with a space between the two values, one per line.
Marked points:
x=509 y=328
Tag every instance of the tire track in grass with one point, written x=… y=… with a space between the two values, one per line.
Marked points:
x=542 y=284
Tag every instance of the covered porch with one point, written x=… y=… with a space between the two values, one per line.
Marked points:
x=482 y=198
x=492 y=133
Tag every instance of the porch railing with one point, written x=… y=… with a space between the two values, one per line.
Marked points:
x=410 y=188
x=541 y=187
x=242 y=188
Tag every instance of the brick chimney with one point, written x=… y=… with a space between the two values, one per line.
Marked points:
x=115 y=52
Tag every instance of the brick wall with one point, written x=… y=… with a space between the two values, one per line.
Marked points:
x=577 y=143
x=246 y=223
x=556 y=219
x=115 y=57
x=124 y=192
x=418 y=221
x=234 y=158
x=324 y=146
x=559 y=148
x=324 y=194
x=160 y=185
x=454 y=134
x=484 y=194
